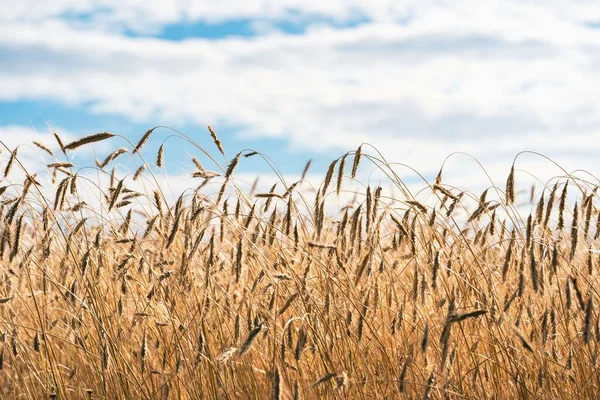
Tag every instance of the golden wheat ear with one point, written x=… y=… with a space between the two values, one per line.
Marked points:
x=216 y=140
x=510 y=186
x=143 y=140
x=97 y=137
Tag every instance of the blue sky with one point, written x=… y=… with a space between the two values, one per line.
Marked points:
x=302 y=80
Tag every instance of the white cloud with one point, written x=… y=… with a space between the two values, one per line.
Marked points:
x=153 y=14
x=145 y=14
x=490 y=80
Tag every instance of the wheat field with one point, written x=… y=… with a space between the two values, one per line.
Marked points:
x=342 y=290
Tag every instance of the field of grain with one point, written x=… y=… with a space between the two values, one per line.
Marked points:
x=293 y=292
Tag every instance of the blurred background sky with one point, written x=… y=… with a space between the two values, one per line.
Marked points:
x=302 y=80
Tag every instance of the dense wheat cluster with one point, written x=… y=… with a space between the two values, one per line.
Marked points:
x=237 y=293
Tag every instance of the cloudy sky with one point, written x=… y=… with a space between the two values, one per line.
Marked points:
x=300 y=79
